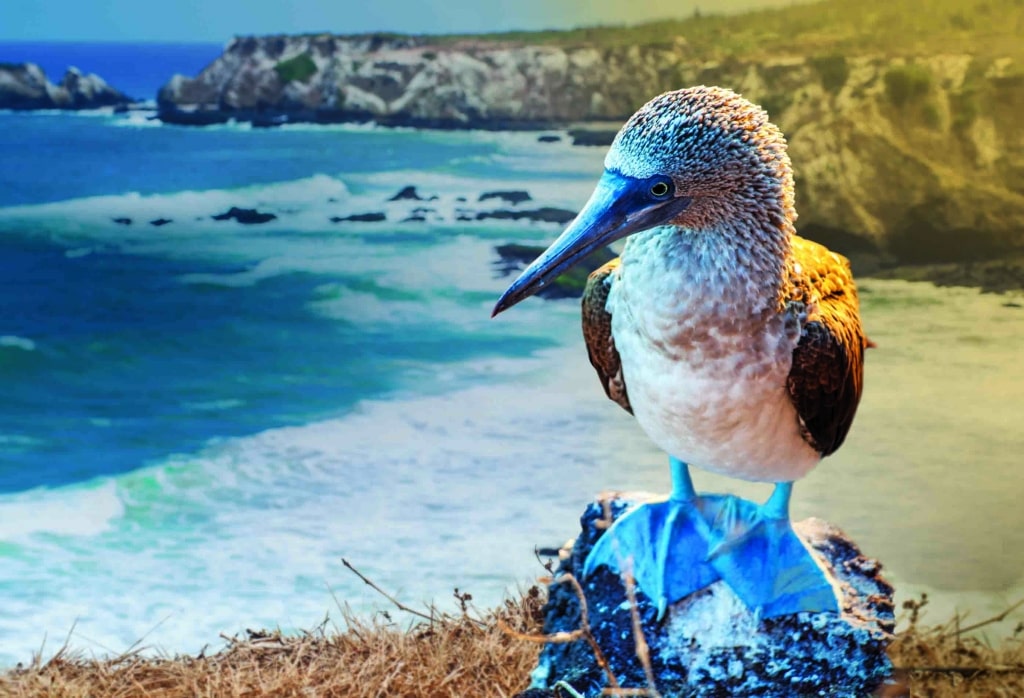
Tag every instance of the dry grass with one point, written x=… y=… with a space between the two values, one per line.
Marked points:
x=451 y=656
x=954 y=660
x=463 y=655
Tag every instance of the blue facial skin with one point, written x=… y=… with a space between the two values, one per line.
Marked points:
x=619 y=206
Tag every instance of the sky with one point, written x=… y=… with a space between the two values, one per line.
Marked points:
x=219 y=20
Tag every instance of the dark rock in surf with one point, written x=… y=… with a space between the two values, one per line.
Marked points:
x=512 y=197
x=514 y=257
x=592 y=137
x=375 y=217
x=246 y=216
x=547 y=214
x=410 y=194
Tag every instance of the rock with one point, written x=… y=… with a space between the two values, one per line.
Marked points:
x=123 y=221
x=160 y=222
x=993 y=276
x=270 y=121
x=709 y=643
x=546 y=214
x=592 y=137
x=375 y=217
x=246 y=216
x=513 y=258
x=512 y=197
x=410 y=194
x=24 y=86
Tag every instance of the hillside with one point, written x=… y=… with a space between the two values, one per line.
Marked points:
x=904 y=125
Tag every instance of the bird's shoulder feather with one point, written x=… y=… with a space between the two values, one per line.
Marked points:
x=827 y=373
x=597 y=333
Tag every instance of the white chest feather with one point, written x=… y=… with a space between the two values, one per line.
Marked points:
x=705 y=358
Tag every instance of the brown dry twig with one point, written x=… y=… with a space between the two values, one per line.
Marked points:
x=643 y=651
x=398 y=604
x=581 y=633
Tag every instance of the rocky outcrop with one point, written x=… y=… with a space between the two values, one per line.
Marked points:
x=24 y=86
x=897 y=159
x=709 y=643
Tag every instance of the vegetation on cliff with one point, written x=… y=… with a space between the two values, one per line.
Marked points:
x=892 y=28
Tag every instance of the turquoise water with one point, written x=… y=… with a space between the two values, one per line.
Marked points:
x=201 y=419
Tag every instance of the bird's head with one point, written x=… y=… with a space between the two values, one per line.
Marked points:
x=690 y=158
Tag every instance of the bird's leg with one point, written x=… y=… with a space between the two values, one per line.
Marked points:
x=765 y=563
x=683 y=495
x=667 y=541
x=682 y=483
x=777 y=506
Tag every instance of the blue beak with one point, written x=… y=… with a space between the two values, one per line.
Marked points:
x=619 y=206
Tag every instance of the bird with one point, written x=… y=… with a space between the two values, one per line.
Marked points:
x=736 y=344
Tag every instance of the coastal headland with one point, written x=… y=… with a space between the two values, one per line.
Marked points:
x=903 y=128
x=24 y=86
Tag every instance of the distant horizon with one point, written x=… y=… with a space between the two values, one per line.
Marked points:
x=218 y=21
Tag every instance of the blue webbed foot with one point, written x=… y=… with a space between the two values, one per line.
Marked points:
x=687 y=542
x=664 y=545
x=764 y=562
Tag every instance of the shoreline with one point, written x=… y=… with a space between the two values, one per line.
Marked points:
x=1000 y=276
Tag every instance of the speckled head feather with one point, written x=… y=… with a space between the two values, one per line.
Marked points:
x=715 y=145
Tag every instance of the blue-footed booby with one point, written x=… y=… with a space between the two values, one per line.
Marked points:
x=736 y=344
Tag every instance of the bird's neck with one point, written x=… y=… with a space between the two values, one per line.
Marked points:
x=736 y=261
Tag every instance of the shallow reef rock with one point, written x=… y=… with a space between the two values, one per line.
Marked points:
x=514 y=257
x=246 y=216
x=710 y=644
x=24 y=86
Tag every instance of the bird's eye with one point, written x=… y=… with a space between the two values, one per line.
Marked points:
x=659 y=189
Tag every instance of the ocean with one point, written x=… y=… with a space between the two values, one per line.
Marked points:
x=201 y=419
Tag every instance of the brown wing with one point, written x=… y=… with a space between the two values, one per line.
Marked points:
x=597 y=333
x=827 y=375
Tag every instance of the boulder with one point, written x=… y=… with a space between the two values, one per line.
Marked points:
x=24 y=86
x=709 y=643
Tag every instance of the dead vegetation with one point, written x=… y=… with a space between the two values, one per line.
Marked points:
x=468 y=654
x=956 y=659
x=442 y=655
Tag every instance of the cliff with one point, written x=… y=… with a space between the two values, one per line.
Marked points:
x=24 y=86
x=911 y=155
